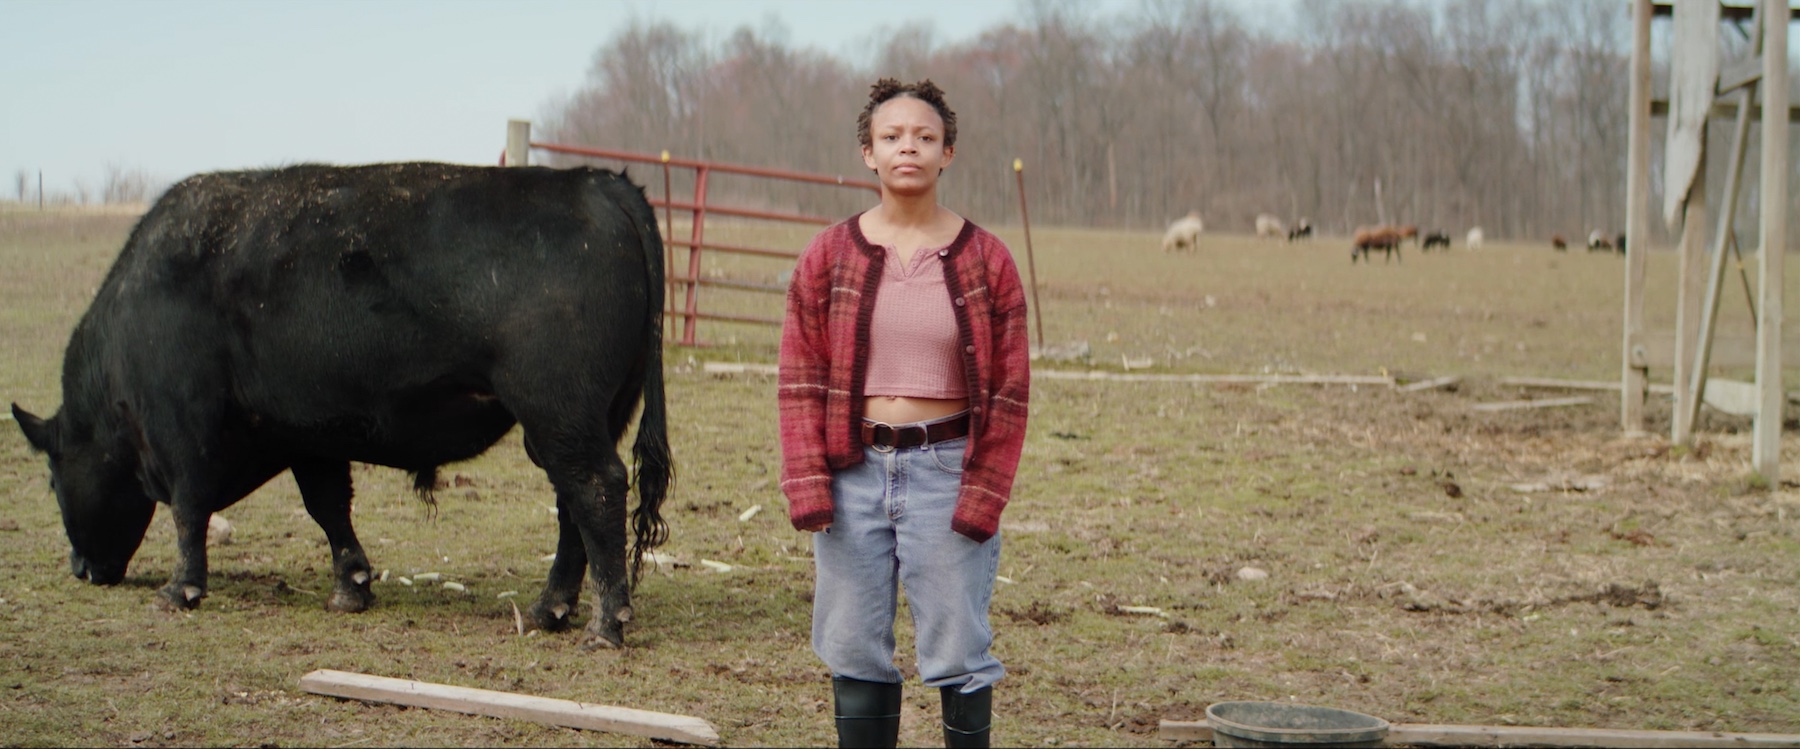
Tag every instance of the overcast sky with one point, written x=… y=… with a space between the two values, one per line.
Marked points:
x=175 y=87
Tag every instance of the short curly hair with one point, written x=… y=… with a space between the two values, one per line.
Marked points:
x=889 y=88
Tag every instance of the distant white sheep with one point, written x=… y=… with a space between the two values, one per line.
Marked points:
x=1183 y=233
x=1473 y=241
x=1269 y=226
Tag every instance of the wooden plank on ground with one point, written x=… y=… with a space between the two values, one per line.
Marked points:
x=1732 y=396
x=1433 y=384
x=1579 y=400
x=1425 y=734
x=665 y=726
x=1545 y=382
x=1421 y=734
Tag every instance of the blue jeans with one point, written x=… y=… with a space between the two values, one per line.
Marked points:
x=891 y=526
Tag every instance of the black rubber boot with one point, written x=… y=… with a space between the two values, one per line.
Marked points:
x=967 y=717
x=868 y=713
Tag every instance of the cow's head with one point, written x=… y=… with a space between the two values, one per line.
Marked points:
x=104 y=508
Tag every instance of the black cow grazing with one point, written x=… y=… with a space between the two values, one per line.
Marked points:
x=1620 y=245
x=1435 y=239
x=405 y=315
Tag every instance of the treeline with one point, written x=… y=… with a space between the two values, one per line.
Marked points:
x=120 y=185
x=1505 y=114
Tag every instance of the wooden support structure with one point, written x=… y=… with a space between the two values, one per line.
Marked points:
x=1724 y=110
x=1759 y=76
x=1426 y=734
x=1694 y=385
x=1774 y=195
x=664 y=726
x=1688 y=300
x=1634 y=371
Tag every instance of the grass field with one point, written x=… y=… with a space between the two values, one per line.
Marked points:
x=1427 y=562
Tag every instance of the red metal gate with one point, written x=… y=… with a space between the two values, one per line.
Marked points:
x=686 y=286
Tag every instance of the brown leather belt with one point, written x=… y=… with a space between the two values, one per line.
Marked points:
x=879 y=434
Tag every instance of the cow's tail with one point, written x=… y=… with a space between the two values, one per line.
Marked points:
x=653 y=465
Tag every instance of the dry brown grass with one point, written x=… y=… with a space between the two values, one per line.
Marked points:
x=1427 y=562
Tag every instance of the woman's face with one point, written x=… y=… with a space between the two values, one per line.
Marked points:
x=906 y=147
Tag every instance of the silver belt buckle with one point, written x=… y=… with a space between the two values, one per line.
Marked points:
x=877 y=426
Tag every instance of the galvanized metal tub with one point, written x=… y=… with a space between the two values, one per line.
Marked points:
x=1281 y=724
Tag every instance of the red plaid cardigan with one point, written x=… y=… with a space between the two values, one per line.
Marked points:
x=824 y=358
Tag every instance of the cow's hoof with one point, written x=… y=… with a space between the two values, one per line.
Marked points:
x=178 y=597
x=605 y=632
x=351 y=601
x=551 y=618
x=603 y=641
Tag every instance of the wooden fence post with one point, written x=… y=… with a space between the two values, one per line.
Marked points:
x=1774 y=196
x=518 y=142
x=1634 y=370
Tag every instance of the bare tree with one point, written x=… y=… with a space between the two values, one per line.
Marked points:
x=1507 y=114
x=122 y=185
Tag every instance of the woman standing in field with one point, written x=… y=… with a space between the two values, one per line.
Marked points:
x=904 y=383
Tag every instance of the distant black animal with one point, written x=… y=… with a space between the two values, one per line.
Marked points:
x=1620 y=244
x=405 y=315
x=1435 y=239
x=1302 y=229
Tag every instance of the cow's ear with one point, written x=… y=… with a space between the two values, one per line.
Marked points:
x=40 y=433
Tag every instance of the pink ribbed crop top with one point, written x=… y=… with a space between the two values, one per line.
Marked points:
x=913 y=346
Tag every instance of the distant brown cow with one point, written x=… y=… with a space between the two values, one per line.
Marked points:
x=1557 y=241
x=1370 y=238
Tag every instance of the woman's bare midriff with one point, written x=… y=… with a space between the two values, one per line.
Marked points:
x=900 y=409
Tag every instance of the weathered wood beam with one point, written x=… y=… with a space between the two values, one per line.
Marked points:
x=1546 y=382
x=1633 y=374
x=1766 y=452
x=1432 y=384
x=1723 y=110
x=1425 y=734
x=1739 y=74
x=1740 y=13
x=665 y=726
x=1579 y=400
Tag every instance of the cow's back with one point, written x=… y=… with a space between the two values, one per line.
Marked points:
x=369 y=310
